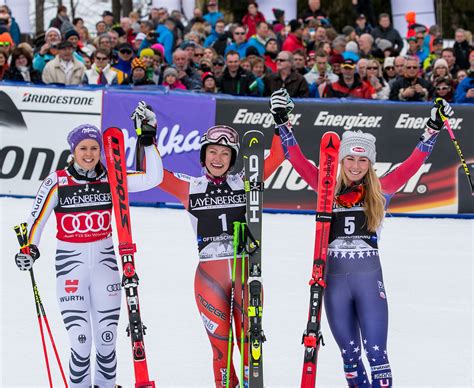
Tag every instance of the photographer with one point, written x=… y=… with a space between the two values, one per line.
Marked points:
x=48 y=50
x=320 y=76
x=9 y=22
x=411 y=87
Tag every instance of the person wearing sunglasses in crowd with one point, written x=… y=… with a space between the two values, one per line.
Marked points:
x=444 y=89
x=125 y=54
x=86 y=266
x=411 y=87
x=350 y=84
x=389 y=71
x=214 y=201
x=100 y=72
x=355 y=297
x=374 y=77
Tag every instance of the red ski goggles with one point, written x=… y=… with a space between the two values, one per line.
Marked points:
x=351 y=196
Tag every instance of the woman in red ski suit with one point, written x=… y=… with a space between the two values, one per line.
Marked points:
x=214 y=201
x=88 y=283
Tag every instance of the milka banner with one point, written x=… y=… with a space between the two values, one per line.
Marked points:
x=182 y=118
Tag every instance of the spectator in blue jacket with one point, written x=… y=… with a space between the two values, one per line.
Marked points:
x=218 y=30
x=240 y=41
x=260 y=38
x=213 y=14
x=166 y=37
x=465 y=90
x=10 y=23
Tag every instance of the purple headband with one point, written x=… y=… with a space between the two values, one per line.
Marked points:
x=82 y=132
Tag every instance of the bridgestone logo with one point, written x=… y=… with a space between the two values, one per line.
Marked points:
x=46 y=99
x=347 y=122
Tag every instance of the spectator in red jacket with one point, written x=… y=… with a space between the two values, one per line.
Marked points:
x=271 y=52
x=294 y=41
x=251 y=18
x=350 y=85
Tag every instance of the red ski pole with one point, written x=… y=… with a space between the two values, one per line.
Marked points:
x=21 y=233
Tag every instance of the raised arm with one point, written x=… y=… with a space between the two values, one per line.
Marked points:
x=281 y=106
x=398 y=177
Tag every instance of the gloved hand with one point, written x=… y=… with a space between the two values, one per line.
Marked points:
x=440 y=111
x=281 y=105
x=145 y=123
x=25 y=261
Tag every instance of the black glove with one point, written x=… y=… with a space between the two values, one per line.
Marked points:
x=25 y=261
x=440 y=111
x=281 y=105
x=145 y=123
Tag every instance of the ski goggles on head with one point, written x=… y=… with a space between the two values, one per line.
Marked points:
x=222 y=134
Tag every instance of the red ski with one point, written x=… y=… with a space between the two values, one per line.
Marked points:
x=312 y=337
x=117 y=174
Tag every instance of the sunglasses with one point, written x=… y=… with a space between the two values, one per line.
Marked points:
x=218 y=63
x=198 y=54
x=390 y=68
x=126 y=52
x=101 y=58
x=412 y=67
x=443 y=88
x=372 y=68
x=6 y=44
x=281 y=60
x=239 y=33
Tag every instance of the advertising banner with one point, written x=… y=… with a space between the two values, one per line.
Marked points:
x=182 y=119
x=439 y=186
x=34 y=123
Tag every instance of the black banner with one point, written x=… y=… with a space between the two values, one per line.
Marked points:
x=439 y=187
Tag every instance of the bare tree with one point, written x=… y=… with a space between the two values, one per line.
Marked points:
x=73 y=6
x=39 y=9
x=127 y=7
x=116 y=8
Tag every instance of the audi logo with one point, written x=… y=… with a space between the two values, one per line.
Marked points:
x=86 y=222
x=114 y=287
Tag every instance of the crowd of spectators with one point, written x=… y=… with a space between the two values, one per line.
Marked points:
x=308 y=55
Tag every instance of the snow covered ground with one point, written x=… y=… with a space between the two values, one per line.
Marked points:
x=428 y=277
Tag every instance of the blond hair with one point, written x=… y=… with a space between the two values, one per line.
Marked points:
x=374 y=200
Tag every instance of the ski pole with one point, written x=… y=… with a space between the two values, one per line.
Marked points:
x=22 y=236
x=242 y=322
x=456 y=145
x=232 y=296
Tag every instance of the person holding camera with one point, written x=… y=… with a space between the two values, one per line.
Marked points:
x=411 y=87
x=9 y=22
x=320 y=76
x=64 y=69
x=48 y=50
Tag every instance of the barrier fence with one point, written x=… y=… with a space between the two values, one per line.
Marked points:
x=34 y=122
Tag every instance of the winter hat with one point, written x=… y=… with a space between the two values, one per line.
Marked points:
x=383 y=44
x=159 y=47
x=146 y=52
x=137 y=62
x=70 y=33
x=440 y=62
x=251 y=50
x=207 y=75
x=278 y=13
x=140 y=36
x=352 y=47
x=170 y=71
x=389 y=62
x=52 y=29
x=6 y=37
x=357 y=143
x=82 y=132
x=295 y=25
x=410 y=17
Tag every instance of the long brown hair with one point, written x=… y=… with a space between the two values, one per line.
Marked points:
x=374 y=201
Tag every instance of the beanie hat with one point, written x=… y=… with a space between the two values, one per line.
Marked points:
x=70 y=33
x=352 y=47
x=207 y=75
x=159 y=47
x=147 y=52
x=170 y=71
x=357 y=143
x=6 y=37
x=137 y=62
x=82 y=132
x=53 y=29
x=383 y=44
x=389 y=62
x=440 y=62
